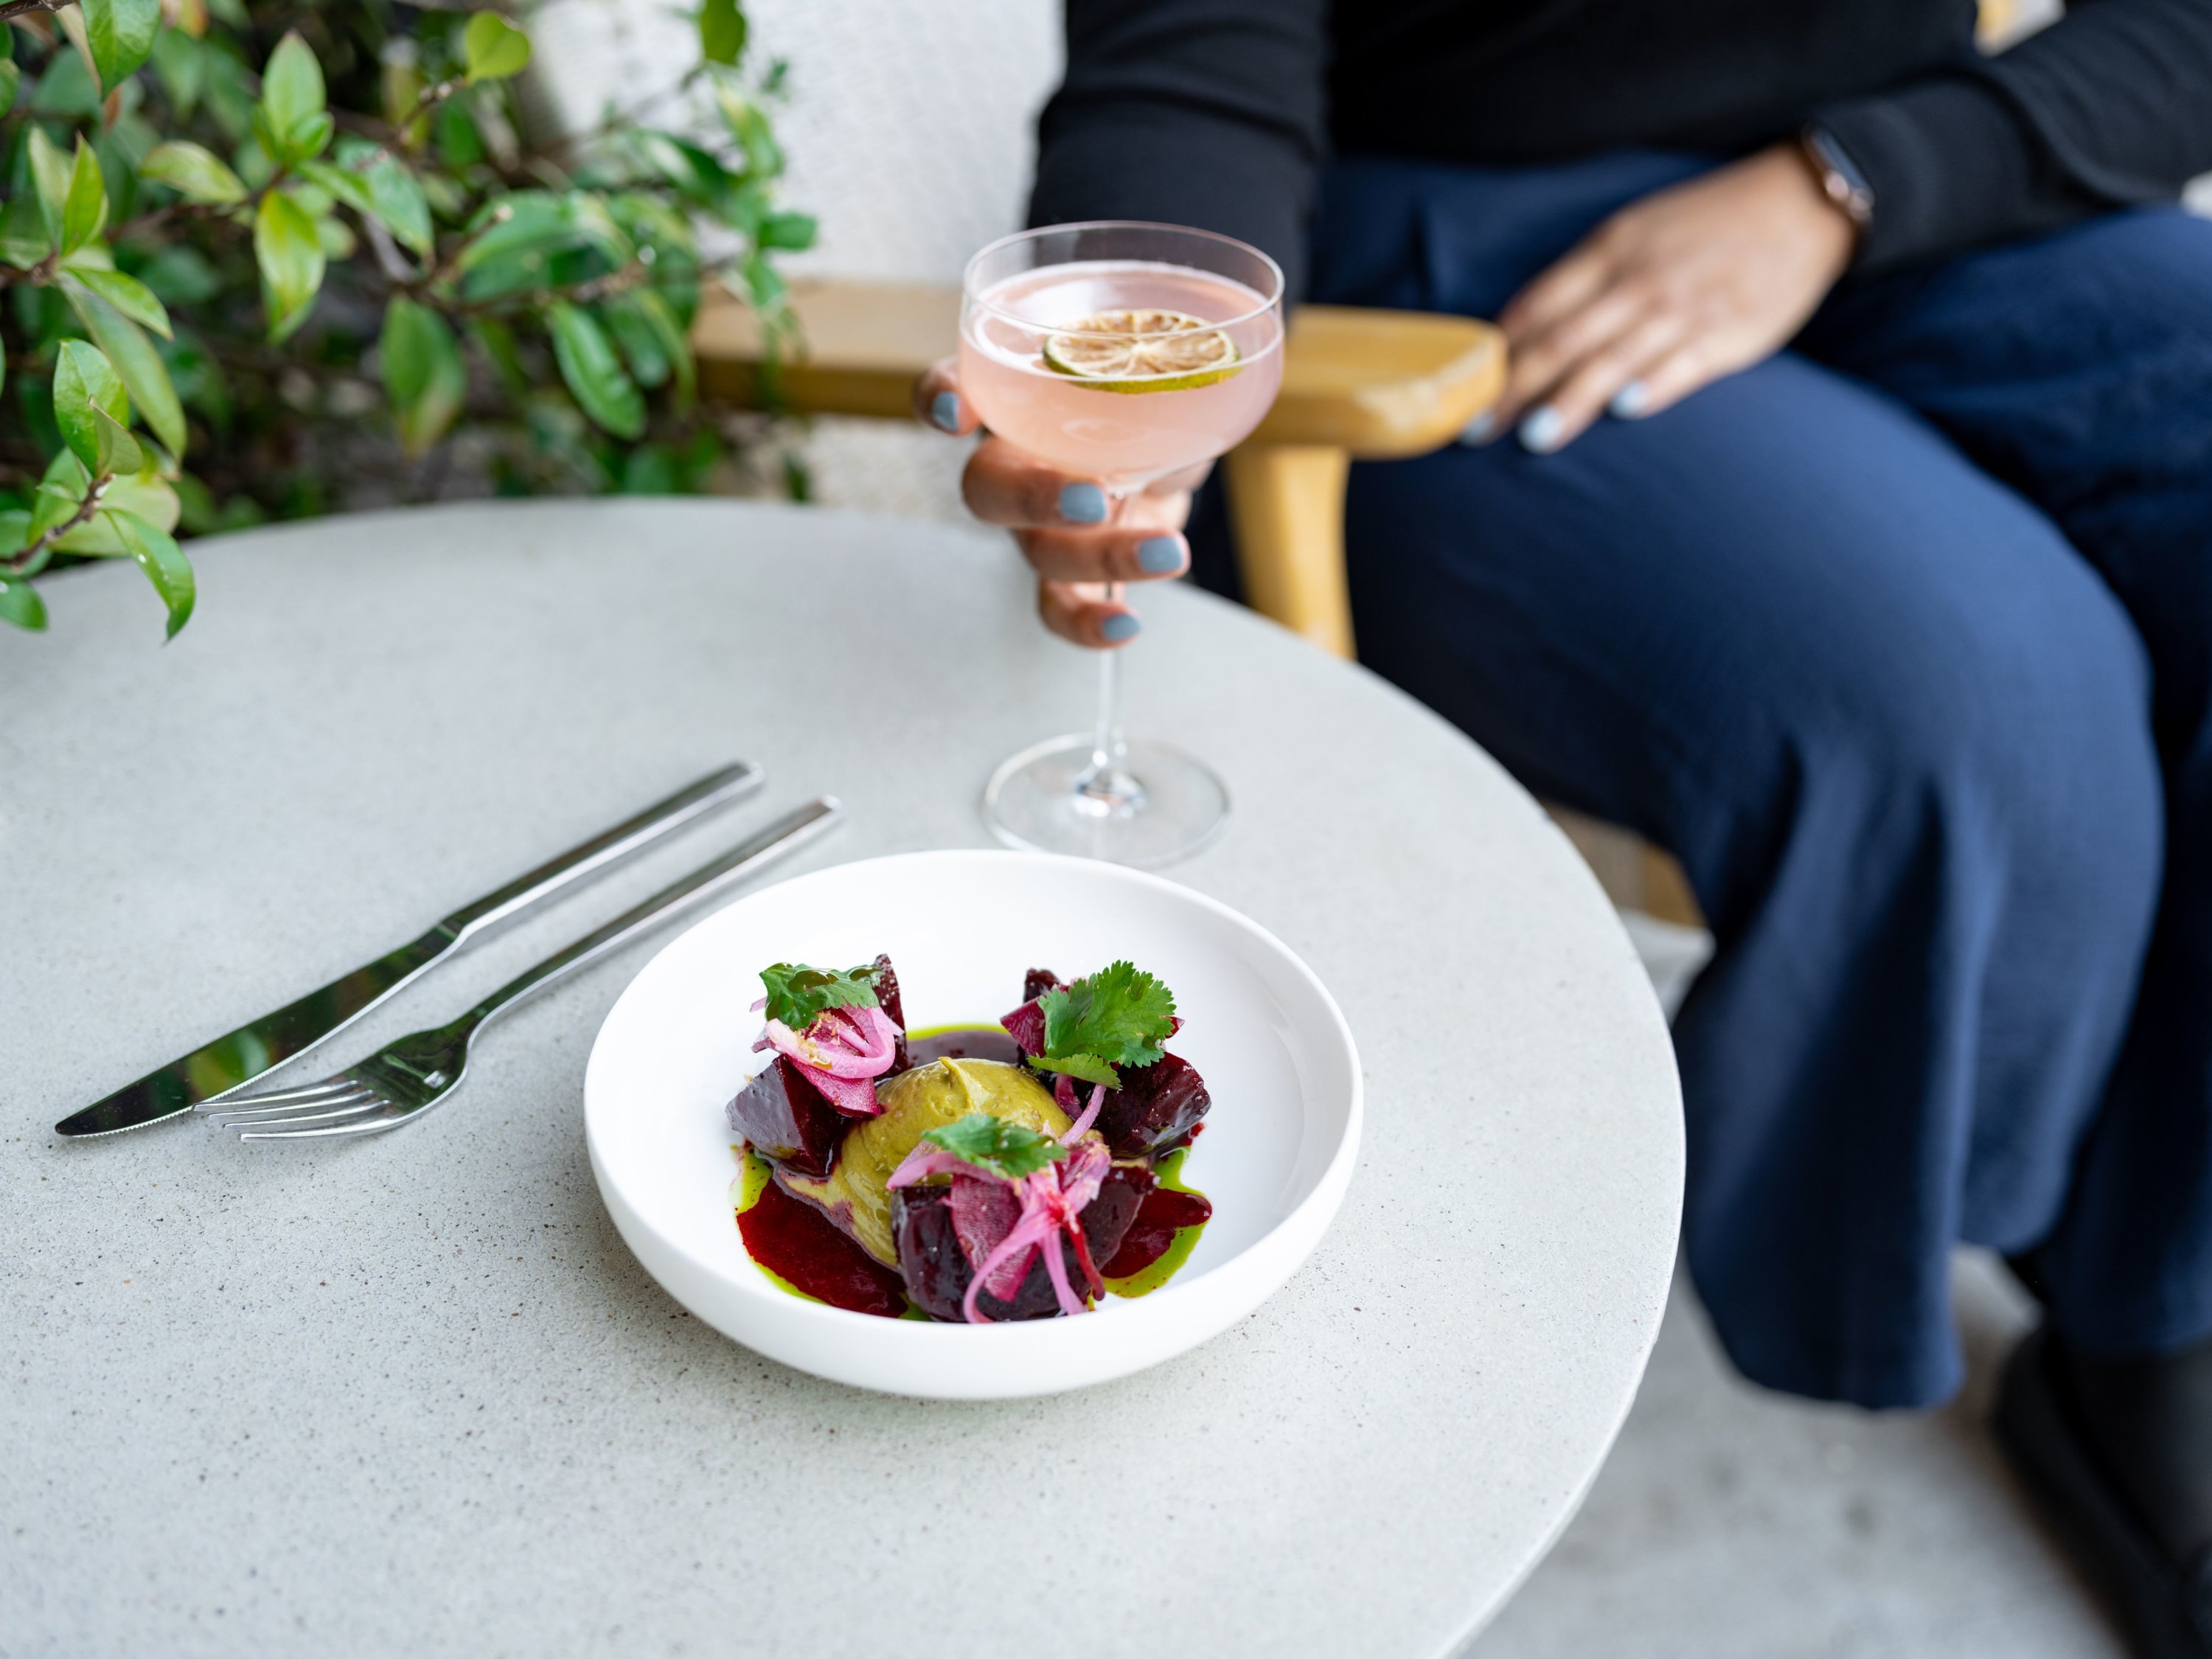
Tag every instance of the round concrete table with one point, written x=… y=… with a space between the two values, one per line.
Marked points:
x=412 y=1395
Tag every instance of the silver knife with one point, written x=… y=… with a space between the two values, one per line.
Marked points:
x=229 y=1062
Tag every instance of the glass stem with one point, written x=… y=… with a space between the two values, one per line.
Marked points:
x=1105 y=789
x=1108 y=746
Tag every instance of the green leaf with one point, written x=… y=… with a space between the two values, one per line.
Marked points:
x=400 y=204
x=1089 y=1067
x=87 y=384
x=20 y=602
x=793 y=231
x=749 y=126
x=119 y=450
x=642 y=346
x=673 y=341
x=423 y=373
x=343 y=183
x=595 y=374
x=50 y=181
x=23 y=238
x=395 y=195
x=128 y=295
x=384 y=190
x=692 y=170
x=60 y=494
x=147 y=494
x=193 y=171
x=85 y=208
x=1120 y=1015
x=139 y=364
x=1009 y=1151
x=292 y=93
x=764 y=284
x=493 y=48
x=182 y=68
x=290 y=255
x=163 y=562
x=309 y=139
x=514 y=243
x=14 y=529
x=180 y=275
x=798 y=995
x=10 y=78
x=122 y=35
x=721 y=31
x=66 y=88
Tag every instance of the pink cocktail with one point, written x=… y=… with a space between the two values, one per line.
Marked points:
x=1125 y=353
x=1123 y=438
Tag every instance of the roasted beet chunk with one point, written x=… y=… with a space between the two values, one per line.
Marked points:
x=784 y=1116
x=887 y=994
x=1108 y=1218
x=937 y=1272
x=1026 y=1026
x=1037 y=982
x=1154 y=1108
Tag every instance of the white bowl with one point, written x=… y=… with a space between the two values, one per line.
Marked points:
x=961 y=928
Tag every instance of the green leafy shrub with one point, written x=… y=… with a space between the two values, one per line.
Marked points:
x=264 y=267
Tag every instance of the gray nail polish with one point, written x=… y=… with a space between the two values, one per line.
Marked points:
x=1539 y=433
x=1160 y=554
x=945 y=411
x=1083 y=503
x=1119 y=627
x=1629 y=401
x=1478 y=430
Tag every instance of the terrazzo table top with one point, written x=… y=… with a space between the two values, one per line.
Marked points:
x=411 y=1393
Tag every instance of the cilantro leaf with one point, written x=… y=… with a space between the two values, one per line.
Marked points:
x=992 y=1144
x=799 y=995
x=1089 y=1067
x=1119 y=1016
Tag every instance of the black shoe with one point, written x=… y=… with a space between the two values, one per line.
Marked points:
x=2165 y=1606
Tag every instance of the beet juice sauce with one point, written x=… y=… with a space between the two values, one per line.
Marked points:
x=801 y=1250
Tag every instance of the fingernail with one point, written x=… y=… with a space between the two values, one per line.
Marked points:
x=1121 y=625
x=1160 y=554
x=945 y=411
x=1539 y=433
x=1083 y=503
x=1628 y=402
x=1478 y=430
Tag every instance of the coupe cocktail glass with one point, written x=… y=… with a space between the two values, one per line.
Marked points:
x=1122 y=352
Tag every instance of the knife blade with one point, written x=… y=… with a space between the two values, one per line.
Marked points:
x=236 y=1058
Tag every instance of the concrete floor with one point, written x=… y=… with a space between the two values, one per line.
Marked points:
x=1732 y=1524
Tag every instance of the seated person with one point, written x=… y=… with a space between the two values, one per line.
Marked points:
x=1845 y=528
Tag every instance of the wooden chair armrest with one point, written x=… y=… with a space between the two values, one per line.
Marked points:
x=1373 y=383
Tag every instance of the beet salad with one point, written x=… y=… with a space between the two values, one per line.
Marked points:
x=971 y=1174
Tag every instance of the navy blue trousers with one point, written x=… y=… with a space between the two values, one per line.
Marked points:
x=1902 y=642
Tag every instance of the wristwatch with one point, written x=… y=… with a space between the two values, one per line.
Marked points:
x=1836 y=174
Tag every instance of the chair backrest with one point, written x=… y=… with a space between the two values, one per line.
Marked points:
x=910 y=126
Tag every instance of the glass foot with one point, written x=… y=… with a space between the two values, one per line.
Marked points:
x=1156 y=806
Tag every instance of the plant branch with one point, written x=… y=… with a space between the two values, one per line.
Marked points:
x=11 y=9
x=33 y=558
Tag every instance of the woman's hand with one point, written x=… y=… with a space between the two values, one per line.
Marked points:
x=1075 y=536
x=1671 y=293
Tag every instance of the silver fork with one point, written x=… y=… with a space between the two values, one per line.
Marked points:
x=415 y=1072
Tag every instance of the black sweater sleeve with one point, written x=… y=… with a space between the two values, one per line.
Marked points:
x=2109 y=106
x=1204 y=112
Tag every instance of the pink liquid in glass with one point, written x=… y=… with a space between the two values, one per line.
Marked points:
x=1125 y=440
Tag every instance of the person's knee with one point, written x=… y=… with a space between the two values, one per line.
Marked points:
x=2029 y=749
